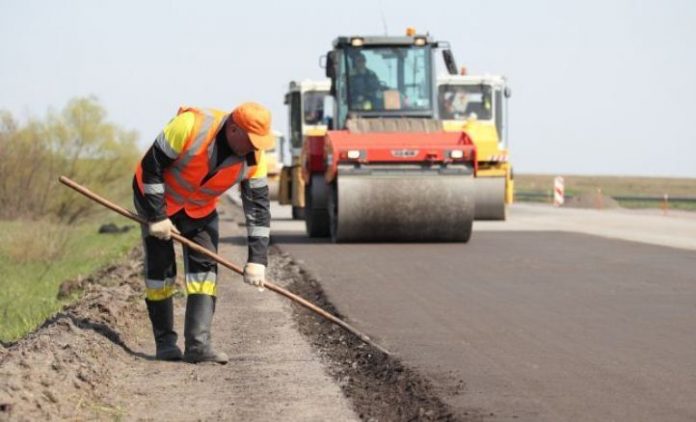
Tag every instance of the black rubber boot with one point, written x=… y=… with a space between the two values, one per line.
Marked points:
x=199 y=317
x=162 y=318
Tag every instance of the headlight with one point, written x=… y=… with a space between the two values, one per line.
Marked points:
x=456 y=154
x=353 y=154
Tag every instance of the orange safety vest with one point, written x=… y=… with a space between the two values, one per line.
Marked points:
x=183 y=187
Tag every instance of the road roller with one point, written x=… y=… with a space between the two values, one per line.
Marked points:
x=386 y=170
x=477 y=104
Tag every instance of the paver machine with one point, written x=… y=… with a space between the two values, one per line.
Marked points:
x=477 y=104
x=385 y=169
x=309 y=108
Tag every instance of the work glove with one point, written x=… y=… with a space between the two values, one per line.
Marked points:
x=255 y=274
x=163 y=229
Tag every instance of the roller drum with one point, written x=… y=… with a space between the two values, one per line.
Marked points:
x=490 y=198
x=402 y=207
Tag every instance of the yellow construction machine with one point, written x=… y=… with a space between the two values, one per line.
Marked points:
x=477 y=105
x=309 y=110
x=274 y=164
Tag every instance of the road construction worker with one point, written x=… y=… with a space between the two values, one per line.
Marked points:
x=460 y=104
x=364 y=86
x=199 y=155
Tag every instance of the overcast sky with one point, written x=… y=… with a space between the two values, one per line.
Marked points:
x=599 y=87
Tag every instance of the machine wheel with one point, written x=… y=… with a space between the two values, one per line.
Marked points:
x=333 y=212
x=298 y=213
x=316 y=207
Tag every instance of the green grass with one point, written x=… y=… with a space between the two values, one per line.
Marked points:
x=673 y=205
x=612 y=186
x=36 y=257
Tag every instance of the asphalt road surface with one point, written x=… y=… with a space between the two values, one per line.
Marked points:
x=529 y=324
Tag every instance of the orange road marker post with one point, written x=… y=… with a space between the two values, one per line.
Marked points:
x=558 y=192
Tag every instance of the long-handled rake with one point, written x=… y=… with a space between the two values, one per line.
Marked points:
x=222 y=261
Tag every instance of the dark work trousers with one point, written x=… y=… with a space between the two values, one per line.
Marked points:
x=160 y=262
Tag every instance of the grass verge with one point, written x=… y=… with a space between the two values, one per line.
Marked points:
x=36 y=257
x=612 y=186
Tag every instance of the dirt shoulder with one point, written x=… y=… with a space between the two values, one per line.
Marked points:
x=94 y=359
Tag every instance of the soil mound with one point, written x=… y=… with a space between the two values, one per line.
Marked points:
x=59 y=371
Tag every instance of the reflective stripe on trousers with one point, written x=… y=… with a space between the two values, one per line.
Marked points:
x=201 y=283
x=160 y=289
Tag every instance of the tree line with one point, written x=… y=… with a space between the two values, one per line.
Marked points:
x=77 y=142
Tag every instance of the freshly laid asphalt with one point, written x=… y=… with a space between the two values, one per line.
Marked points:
x=526 y=325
